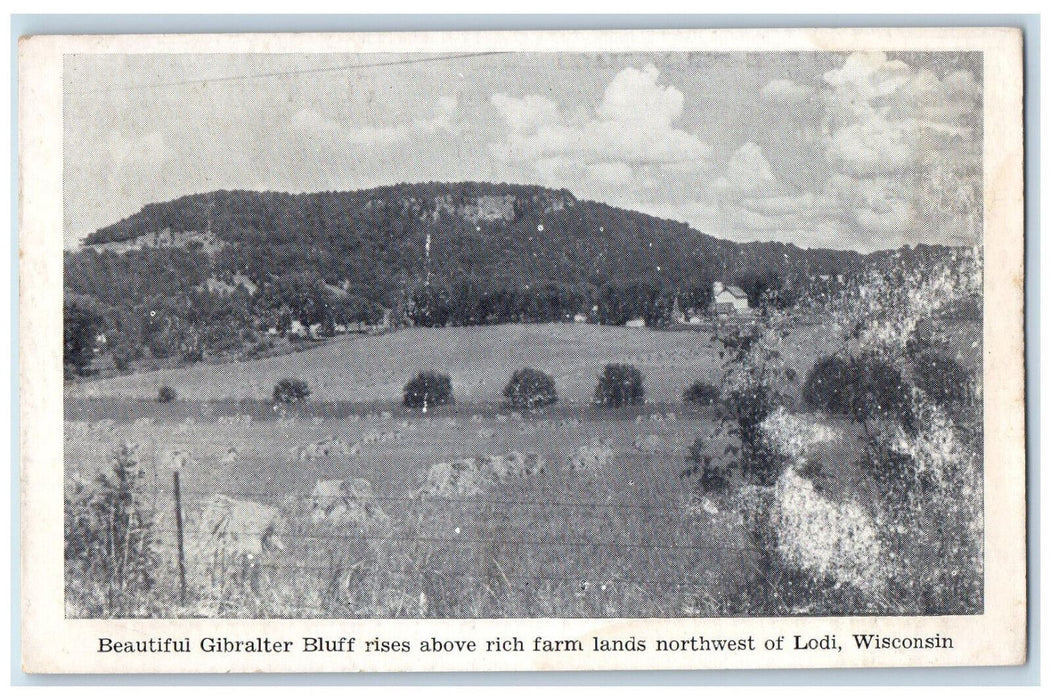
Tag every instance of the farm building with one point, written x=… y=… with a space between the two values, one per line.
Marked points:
x=636 y=323
x=679 y=316
x=729 y=299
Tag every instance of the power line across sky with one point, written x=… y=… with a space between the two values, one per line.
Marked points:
x=288 y=73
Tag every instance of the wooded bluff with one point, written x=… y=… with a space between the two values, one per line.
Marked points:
x=207 y=274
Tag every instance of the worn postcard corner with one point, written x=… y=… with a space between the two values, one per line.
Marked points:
x=522 y=351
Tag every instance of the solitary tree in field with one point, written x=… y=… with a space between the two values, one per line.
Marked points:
x=701 y=393
x=530 y=388
x=428 y=389
x=619 y=385
x=291 y=391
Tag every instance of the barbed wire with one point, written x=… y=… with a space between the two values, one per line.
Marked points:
x=347 y=537
x=582 y=582
x=669 y=511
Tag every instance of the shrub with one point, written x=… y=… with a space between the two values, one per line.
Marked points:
x=825 y=385
x=754 y=377
x=166 y=394
x=110 y=550
x=713 y=471
x=123 y=350
x=428 y=389
x=291 y=391
x=942 y=378
x=701 y=393
x=530 y=388
x=619 y=385
x=859 y=387
x=824 y=538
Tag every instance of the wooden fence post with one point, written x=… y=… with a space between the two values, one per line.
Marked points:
x=178 y=530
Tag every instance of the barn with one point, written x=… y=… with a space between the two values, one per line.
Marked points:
x=728 y=300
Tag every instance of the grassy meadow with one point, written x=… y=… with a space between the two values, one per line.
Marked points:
x=480 y=359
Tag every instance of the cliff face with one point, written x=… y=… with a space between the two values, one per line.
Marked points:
x=161 y=224
x=503 y=207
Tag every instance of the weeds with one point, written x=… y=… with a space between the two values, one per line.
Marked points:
x=110 y=547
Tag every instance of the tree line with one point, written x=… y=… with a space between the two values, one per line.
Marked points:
x=431 y=254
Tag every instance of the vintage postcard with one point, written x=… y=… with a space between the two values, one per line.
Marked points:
x=522 y=351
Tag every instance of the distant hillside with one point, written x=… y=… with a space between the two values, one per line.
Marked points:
x=374 y=240
x=221 y=273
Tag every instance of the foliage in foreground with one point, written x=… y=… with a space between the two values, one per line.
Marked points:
x=915 y=546
x=110 y=548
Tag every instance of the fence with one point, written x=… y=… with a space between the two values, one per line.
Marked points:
x=507 y=557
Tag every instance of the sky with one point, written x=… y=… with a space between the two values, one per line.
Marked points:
x=859 y=151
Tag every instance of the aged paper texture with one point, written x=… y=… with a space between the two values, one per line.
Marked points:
x=522 y=351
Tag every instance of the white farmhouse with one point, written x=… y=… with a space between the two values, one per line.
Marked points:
x=636 y=323
x=729 y=299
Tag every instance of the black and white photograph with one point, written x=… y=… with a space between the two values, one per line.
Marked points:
x=520 y=335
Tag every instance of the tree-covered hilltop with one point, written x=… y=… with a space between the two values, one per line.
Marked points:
x=374 y=241
x=212 y=273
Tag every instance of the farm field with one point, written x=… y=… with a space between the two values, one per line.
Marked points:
x=621 y=535
x=602 y=523
x=618 y=532
x=479 y=359
x=616 y=538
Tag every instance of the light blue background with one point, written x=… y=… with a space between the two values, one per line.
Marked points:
x=1029 y=674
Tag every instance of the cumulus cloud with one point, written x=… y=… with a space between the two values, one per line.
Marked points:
x=882 y=205
x=631 y=127
x=882 y=116
x=527 y=114
x=748 y=172
x=634 y=97
x=786 y=91
x=890 y=130
x=872 y=146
